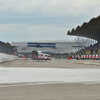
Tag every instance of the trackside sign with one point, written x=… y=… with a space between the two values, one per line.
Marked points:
x=53 y=45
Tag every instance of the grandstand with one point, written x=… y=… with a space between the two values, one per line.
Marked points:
x=91 y=30
x=59 y=47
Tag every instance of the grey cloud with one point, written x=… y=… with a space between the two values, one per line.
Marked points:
x=47 y=8
x=30 y=18
x=11 y=32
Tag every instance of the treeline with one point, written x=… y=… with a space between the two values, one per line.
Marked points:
x=9 y=44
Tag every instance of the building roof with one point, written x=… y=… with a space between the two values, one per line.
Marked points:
x=89 y=29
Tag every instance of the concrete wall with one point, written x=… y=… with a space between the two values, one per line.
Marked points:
x=7 y=57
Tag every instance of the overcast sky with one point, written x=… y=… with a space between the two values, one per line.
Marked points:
x=27 y=20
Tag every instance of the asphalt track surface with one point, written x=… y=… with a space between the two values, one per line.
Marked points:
x=49 y=80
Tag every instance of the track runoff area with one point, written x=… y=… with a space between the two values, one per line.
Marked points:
x=54 y=79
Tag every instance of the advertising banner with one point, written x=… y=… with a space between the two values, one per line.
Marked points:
x=81 y=56
x=89 y=56
x=52 y=45
x=93 y=56
x=96 y=56
x=86 y=56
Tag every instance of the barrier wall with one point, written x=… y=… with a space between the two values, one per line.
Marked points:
x=88 y=52
x=93 y=56
x=7 y=57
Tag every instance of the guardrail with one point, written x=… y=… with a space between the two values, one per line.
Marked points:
x=7 y=57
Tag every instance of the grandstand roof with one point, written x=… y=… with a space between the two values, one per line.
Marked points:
x=89 y=29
